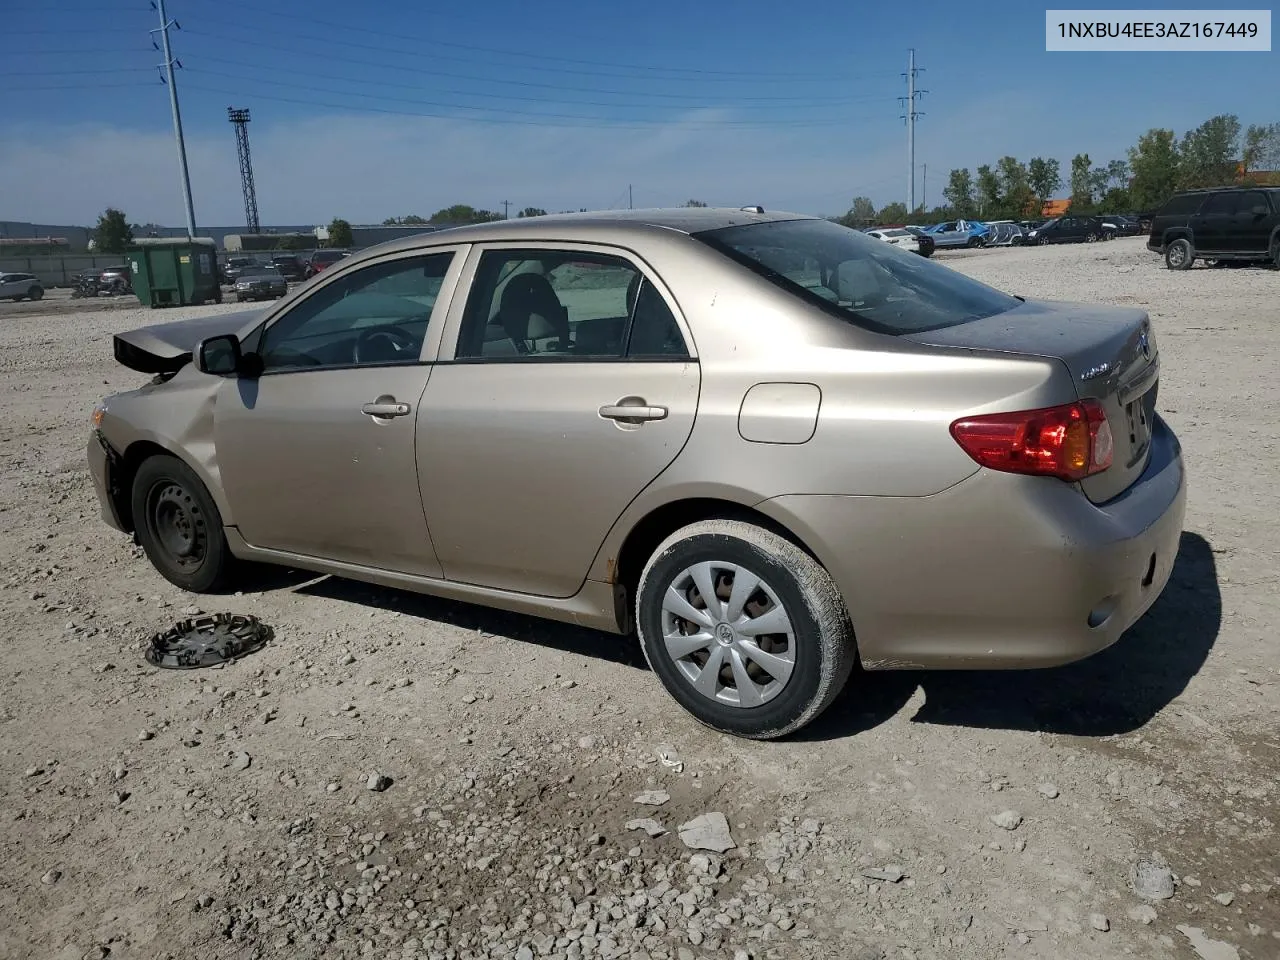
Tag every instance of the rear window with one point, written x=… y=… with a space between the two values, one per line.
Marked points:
x=858 y=278
x=331 y=256
x=1182 y=204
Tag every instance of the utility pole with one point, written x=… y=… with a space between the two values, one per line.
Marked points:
x=924 y=186
x=241 y=120
x=630 y=201
x=912 y=97
x=506 y=209
x=165 y=24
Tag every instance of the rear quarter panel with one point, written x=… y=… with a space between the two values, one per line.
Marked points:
x=884 y=411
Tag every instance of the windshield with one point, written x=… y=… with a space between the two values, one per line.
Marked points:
x=250 y=273
x=331 y=256
x=858 y=278
x=895 y=233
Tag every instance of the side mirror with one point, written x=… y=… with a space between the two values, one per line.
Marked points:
x=221 y=356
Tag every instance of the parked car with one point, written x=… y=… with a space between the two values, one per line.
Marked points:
x=1227 y=224
x=85 y=284
x=234 y=266
x=291 y=268
x=115 y=280
x=1066 y=230
x=920 y=243
x=770 y=444
x=321 y=259
x=958 y=233
x=20 y=286
x=1004 y=233
x=1119 y=225
x=260 y=282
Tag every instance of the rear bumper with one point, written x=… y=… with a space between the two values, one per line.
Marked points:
x=104 y=469
x=999 y=571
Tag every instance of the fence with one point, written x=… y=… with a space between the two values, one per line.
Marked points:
x=59 y=271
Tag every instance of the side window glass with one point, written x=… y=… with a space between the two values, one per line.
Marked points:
x=1245 y=202
x=1219 y=203
x=376 y=315
x=564 y=305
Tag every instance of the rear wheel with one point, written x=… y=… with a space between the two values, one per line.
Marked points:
x=1178 y=254
x=35 y=293
x=179 y=526
x=744 y=629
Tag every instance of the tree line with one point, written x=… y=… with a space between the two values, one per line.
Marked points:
x=1219 y=152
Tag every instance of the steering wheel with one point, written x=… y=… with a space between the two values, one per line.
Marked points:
x=288 y=357
x=400 y=340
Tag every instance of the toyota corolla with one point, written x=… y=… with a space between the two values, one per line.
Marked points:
x=770 y=445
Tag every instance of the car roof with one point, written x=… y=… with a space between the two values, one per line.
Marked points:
x=592 y=225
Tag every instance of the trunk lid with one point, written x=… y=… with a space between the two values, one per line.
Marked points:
x=1111 y=353
x=166 y=347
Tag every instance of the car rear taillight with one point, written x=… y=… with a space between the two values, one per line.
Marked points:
x=1070 y=442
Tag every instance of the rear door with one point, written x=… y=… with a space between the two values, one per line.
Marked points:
x=572 y=385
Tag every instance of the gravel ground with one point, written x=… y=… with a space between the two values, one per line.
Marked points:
x=401 y=777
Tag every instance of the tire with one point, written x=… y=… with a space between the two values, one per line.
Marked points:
x=973 y=242
x=1091 y=238
x=36 y=293
x=819 y=644
x=179 y=526
x=1179 y=254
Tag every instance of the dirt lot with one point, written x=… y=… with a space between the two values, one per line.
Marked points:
x=227 y=813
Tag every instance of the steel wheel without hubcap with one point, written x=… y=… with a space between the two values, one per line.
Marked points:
x=728 y=634
x=177 y=524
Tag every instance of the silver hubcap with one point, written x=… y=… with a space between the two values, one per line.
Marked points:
x=728 y=634
x=1176 y=255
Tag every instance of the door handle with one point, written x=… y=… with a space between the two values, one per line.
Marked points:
x=386 y=407
x=632 y=410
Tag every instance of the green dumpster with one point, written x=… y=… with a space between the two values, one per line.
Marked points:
x=175 y=271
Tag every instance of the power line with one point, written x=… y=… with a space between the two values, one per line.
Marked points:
x=456 y=106
x=597 y=124
x=790 y=102
x=384 y=51
x=347 y=28
x=61 y=73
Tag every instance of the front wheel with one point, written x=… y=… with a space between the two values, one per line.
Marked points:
x=179 y=526
x=1178 y=254
x=745 y=630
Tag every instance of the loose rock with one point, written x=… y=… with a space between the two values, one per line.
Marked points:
x=1143 y=913
x=1007 y=819
x=378 y=782
x=1048 y=790
x=241 y=761
x=1099 y=922
x=1207 y=948
x=707 y=832
x=1152 y=879
x=650 y=826
x=1226 y=898
x=890 y=874
x=653 y=798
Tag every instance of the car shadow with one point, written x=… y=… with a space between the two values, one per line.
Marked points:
x=568 y=638
x=1115 y=691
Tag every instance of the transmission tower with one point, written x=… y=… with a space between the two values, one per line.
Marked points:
x=910 y=101
x=241 y=120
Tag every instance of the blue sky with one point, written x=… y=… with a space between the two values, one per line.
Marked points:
x=389 y=107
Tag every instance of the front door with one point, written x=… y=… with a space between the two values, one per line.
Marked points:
x=1212 y=226
x=317 y=455
x=572 y=388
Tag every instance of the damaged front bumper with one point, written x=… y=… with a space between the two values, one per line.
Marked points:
x=106 y=467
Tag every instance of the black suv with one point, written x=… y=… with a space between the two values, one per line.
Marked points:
x=1066 y=230
x=1225 y=224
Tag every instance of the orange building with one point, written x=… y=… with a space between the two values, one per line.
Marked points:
x=1055 y=208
